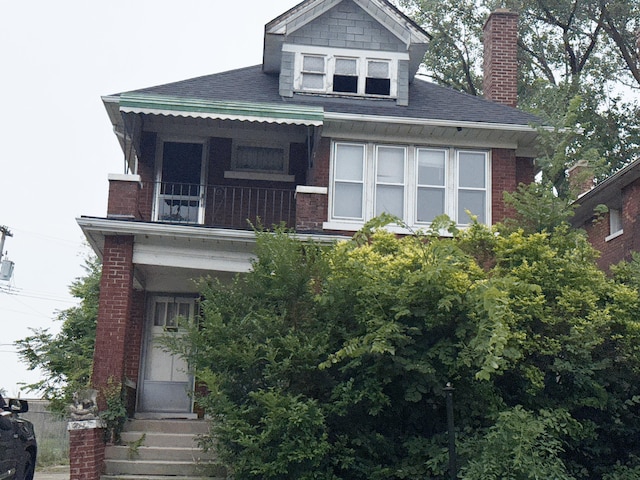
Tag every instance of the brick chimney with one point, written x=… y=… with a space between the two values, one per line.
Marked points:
x=500 y=37
x=581 y=178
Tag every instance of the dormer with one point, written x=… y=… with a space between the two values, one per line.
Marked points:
x=345 y=48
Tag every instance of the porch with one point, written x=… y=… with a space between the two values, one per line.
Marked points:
x=223 y=206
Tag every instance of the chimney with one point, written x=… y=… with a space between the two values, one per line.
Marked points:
x=581 y=178
x=500 y=37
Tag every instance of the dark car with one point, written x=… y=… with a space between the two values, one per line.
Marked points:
x=17 y=441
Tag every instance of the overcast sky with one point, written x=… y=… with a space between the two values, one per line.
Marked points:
x=56 y=143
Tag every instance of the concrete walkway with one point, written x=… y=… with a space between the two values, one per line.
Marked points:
x=52 y=473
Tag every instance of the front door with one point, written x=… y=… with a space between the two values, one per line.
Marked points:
x=166 y=384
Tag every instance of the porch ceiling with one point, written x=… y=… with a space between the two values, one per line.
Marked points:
x=170 y=257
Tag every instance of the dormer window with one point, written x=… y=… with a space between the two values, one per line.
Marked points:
x=313 y=72
x=378 y=80
x=345 y=72
x=345 y=76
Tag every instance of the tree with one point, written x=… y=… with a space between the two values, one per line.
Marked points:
x=330 y=363
x=66 y=358
x=575 y=57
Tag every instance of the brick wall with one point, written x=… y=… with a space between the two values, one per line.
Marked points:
x=311 y=211
x=86 y=453
x=631 y=218
x=319 y=173
x=500 y=36
x=504 y=174
x=114 y=312
x=618 y=248
x=611 y=252
x=123 y=196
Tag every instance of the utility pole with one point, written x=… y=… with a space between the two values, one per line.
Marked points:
x=6 y=266
x=4 y=232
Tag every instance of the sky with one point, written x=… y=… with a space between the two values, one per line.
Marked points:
x=57 y=146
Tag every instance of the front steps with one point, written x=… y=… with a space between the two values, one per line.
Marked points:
x=161 y=450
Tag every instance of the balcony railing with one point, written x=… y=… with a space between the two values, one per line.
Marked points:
x=225 y=206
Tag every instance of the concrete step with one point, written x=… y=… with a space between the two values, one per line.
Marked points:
x=167 y=426
x=154 y=449
x=143 y=452
x=148 y=468
x=169 y=440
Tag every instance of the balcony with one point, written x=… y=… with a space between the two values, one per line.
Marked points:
x=224 y=206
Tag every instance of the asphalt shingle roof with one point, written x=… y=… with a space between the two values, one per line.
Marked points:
x=426 y=100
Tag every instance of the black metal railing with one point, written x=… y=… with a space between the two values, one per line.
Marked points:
x=225 y=206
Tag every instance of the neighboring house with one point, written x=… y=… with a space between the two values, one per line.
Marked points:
x=331 y=130
x=614 y=231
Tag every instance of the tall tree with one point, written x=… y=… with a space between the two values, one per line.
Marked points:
x=326 y=363
x=66 y=358
x=576 y=59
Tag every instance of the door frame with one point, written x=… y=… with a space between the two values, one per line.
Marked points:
x=160 y=141
x=147 y=340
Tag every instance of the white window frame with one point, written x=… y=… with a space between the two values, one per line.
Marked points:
x=615 y=224
x=362 y=57
x=459 y=188
x=410 y=212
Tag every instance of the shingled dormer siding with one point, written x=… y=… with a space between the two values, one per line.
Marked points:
x=345 y=27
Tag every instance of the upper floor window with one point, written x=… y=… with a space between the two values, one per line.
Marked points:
x=345 y=72
x=413 y=183
x=615 y=223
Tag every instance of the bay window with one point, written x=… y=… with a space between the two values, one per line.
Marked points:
x=413 y=183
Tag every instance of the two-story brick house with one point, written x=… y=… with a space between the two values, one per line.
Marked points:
x=331 y=130
x=614 y=231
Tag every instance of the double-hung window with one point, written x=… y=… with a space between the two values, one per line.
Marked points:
x=390 y=180
x=346 y=72
x=472 y=185
x=313 y=72
x=413 y=183
x=348 y=185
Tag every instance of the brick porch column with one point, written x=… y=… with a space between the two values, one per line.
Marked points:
x=86 y=449
x=87 y=445
x=311 y=208
x=114 y=312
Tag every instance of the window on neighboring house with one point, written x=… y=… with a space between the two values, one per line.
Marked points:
x=353 y=73
x=415 y=184
x=615 y=222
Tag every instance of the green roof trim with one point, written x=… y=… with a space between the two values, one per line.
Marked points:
x=161 y=103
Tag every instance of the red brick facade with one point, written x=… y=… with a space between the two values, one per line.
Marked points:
x=615 y=248
x=114 y=312
x=123 y=196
